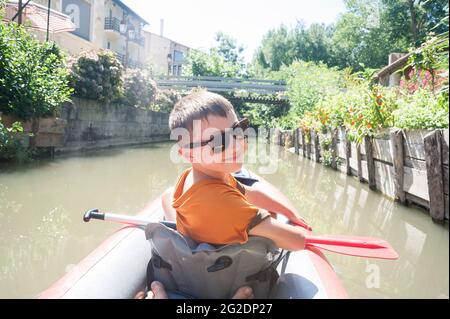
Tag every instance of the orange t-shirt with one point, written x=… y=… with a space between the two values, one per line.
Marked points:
x=213 y=211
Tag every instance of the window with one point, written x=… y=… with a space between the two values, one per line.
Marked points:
x=108 y=46
x=178 y=56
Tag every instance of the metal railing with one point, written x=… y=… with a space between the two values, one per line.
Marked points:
x=220 y=84
x=112 y=24
x=138 y=39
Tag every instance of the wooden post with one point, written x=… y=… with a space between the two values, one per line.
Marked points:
x=398 y=159
x=358 y=159
x=348 y=154
x=316 y=147
x=433 y=160
x=370 y=162
x=308 y=145
x=296 y=140
x=303 y=143
x=334 y=148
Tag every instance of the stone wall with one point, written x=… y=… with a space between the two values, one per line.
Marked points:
x=92 y=125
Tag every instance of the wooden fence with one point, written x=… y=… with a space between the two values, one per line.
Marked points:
x=410 y=166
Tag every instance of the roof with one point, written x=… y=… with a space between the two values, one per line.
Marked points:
x=157 y=35
x=391 y=68
x=127 y=8
x=34 y=16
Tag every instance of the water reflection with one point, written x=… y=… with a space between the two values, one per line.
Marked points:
x=336 y=204
x=41 y=231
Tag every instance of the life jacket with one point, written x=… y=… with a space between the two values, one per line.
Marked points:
x=200 y=270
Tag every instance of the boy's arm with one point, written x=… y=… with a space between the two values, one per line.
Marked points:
x=285 y=236
x=269 y=198
x=166 y=200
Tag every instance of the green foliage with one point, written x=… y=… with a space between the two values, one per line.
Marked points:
x=2 y=8
x=11 y=147
x=33 y=75
x=224 y=60
x=228 y=48
x=307 y=84
x=200 y=63
x=364 y=35
x=422 y=110
x=275 y=49
x=261 y=114
x=432 y=56
x=97 y=75
x=165 y=101
x=363 y=110
x=139 y=88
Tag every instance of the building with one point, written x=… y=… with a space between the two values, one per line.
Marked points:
x=390 y=75
x=165 y=57
x=107 y=24
x=110 y=24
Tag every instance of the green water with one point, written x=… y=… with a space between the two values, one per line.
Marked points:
x=42 y=234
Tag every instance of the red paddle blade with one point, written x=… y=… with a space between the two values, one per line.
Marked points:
x=354 y=246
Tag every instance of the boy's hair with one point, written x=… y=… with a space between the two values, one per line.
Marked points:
x=197 y=106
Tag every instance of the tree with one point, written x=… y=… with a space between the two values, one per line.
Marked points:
x=276 y=49
x=362 y=37
x=202 y=63
x=413 y=20
x=228 y=48
x=225 y=59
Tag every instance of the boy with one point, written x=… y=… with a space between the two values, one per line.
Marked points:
x=208 y=204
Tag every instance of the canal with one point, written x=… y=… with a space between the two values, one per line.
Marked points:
x=42 y=234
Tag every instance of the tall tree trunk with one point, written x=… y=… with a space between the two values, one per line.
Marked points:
x=413 y=21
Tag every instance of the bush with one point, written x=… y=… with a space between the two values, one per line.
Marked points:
x=97 y=75
x=11 y=148
x=33 y=75
x=139 y=88
x=307 y=84
x=422 y=110
x=165 y=101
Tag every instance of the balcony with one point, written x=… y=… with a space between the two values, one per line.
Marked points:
x=136 y=37
x=139 y=40
x=112 y=24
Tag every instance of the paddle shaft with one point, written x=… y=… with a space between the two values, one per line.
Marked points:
x=117 y=218
x=353 y=246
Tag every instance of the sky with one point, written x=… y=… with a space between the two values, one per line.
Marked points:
x=194 y=23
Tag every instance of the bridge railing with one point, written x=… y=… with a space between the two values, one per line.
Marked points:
x=219 y=84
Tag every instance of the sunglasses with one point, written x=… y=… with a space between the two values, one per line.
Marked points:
x=221 y=141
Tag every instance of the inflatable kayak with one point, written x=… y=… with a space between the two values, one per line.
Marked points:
x=118 y=268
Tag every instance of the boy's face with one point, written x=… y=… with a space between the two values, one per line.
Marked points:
x=215 y=151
